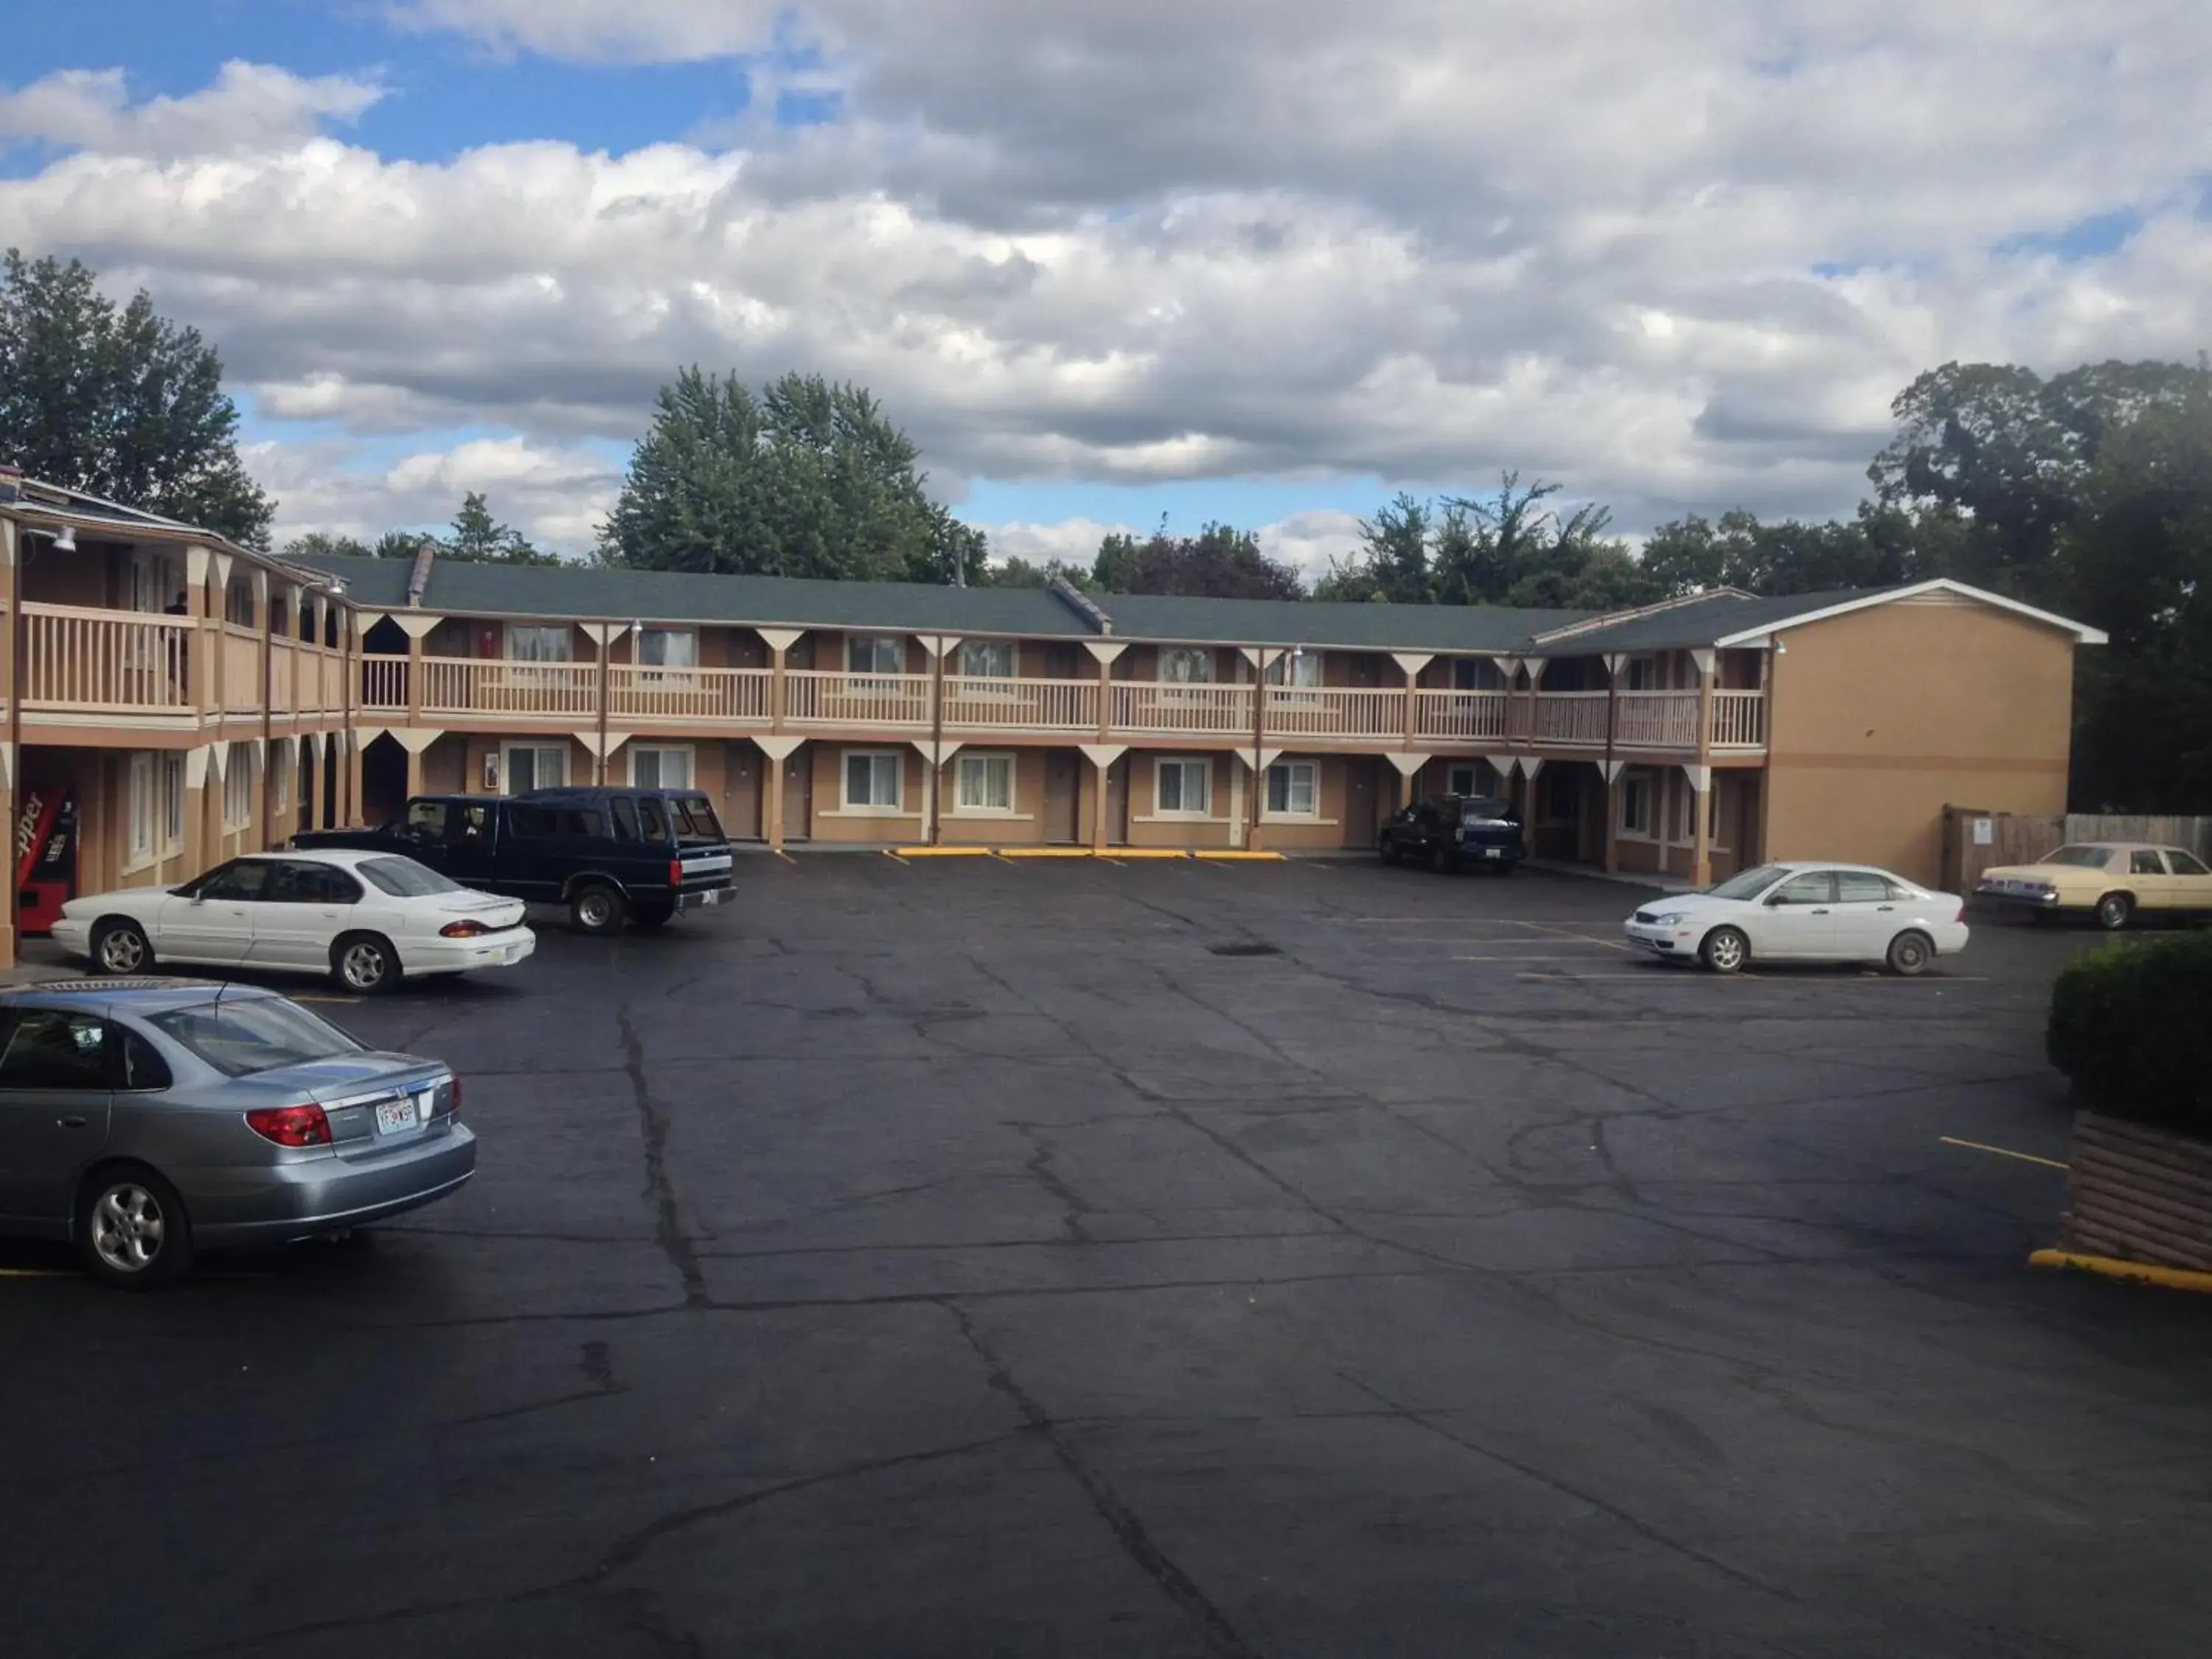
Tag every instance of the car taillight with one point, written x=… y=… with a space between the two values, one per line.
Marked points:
x=291 y=1126
x=676 y=872
x=453 y=1098
x=1959 y=914
x=462 y=930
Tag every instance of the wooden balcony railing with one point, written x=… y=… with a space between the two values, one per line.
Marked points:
x=1171 y=707
x=744 y=697
x=824 y=697
x=1739 y=719
x=78 y=658
x=974 y=704
x=1460 y=716
x=1334 y=712
x=1573 y=718
x=1656 y=719
x=241 y=666
x=493 y=685
x=736 y=695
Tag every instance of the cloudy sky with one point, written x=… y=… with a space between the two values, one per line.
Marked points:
x=1259 y=260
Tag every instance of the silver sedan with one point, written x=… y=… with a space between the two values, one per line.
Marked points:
x=147 y=1120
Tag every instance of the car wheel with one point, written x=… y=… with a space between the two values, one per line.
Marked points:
x=1725 y=950
x=131 y=1229
x=1909 y=953
x=120 y=947
x=1387 y=850
x=597 y=909
x=2115 y=911
x=364 y=964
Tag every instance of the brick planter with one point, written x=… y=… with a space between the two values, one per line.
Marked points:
x=2141 y=1194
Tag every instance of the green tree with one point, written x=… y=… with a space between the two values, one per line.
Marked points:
x=479 y=539
x=808 y=478
x=119 y=402
x=1218 y=563
x=1884 y=546
x=317 y=544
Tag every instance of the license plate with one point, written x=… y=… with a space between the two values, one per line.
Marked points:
x=396 y=1116
x=1493 y=852
x=513 y=953
x=716 y=895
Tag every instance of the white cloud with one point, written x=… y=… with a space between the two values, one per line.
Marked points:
x=1676 y=257
x=250 y=107
x=1310 y=542
x=1070 y=541
x=557 y=497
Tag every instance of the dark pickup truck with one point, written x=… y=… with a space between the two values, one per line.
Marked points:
x=610 y=855
x=1455 y=832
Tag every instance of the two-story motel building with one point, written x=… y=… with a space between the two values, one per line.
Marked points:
x=195 y=699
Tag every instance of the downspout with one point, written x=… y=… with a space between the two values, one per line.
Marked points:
x=937 y=743
x=607 y=651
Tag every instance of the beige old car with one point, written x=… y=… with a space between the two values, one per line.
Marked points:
x=2113 y=881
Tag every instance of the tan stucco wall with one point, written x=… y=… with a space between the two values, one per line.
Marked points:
x=1880 y=717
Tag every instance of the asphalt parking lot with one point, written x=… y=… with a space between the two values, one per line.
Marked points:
x=983 y=1258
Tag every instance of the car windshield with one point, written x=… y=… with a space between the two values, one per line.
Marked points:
x=1476 y=809
x=404 y=878
x=2087 y=858
x=240 y=1036
x=1748 y=884
x=694 y=819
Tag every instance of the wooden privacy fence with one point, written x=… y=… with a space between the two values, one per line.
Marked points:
x=1975 y=840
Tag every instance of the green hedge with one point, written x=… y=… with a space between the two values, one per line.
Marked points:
x=2131 y=1026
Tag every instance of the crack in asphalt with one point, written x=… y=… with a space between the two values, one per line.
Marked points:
x=1121 y=1519
x=652 y=1125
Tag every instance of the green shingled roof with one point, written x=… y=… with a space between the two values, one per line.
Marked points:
x=587 y=591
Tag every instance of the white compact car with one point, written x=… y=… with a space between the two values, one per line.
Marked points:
x=368 y=919
x=1804 y=913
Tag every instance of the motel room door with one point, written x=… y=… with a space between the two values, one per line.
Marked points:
x=1062 y=776
x=742 y=792
x=798 y=793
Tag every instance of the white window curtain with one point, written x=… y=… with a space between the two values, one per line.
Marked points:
x=1293 y=789
x=986 y=659
x=875 y=653
x=1182 y=666
x=1295 y=668
x=660 y=766
x=533 y=766
x=1183 y=788
x=872 y=778
x=667 y=649
x=141 y=806
x=987 y=783
x=238 y=788
x=173 y=800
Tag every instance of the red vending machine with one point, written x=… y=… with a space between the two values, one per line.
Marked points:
x=45 y=859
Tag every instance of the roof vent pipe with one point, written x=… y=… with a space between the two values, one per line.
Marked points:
x=418 y=579
x=1080 y=603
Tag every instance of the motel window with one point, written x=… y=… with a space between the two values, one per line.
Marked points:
x=1294 y=789
x=1635 y=804
x=988 y=660
x=1183 y=666
x=1472 y=778
x=1476 y=674
x=873 y=778
x=539 y=642
x=173 y=800
x=1183 y=788
x=875 y=653
x=140 y=805
x=1642 y=674
x=1296 y=668
x=530 y=766
x=667 y=648
x=238 y=788
x=986 y=783
x=661 y=766
x=280 y=769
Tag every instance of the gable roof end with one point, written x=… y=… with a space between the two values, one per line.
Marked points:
x=2082 y=633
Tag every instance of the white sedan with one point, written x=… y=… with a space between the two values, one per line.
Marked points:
x=368 y=919
x=1804 y=913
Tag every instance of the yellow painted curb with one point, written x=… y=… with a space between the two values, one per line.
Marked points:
x=1147 y=853
x=2112 y=1267
x=1045 y=853
x=937 y=851
x=1264 y=858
